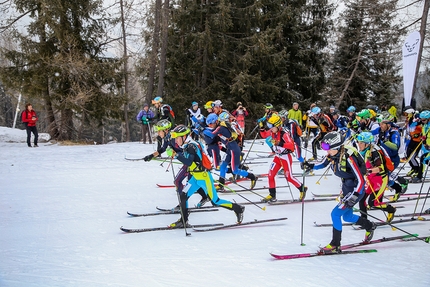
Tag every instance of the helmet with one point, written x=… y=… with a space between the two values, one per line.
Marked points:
x=162 y=125
x=425 y=115
x=387 y=117
x=274 y=121
x=208 y=105
x=316 y=110
x=157 y=100
x=364 y=114
x=211 y=119
x=373 y=107
x=268 y=106
x=194 y=104
x=336 y=112
x=409 y=110
x=179 y=131
x=365 y=137
x=217 y=103
x=332 y=140
x=351 y=109
x=224 y=117
x=283 y=113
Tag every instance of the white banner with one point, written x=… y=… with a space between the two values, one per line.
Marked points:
x=410 y=59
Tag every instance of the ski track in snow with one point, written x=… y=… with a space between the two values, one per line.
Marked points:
x=61 y=208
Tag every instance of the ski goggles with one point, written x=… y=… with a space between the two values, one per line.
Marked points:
x=269 y=125
x=326 y=146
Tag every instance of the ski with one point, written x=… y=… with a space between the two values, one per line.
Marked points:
x=401 y=220
x=377 y=223
x=281 y=202
x=140 y=230
x=171 y=211
x=226 y=183
x=411 y=214
x=319 y=253
x=141 y=158
x=383 y=239
x=189 y=208
x=195 y=228
x=255 y=188
x=326 y=195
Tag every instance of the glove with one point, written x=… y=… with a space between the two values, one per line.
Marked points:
x=306 y=166
x=300 y=159
x=426 y=159
x=350 y=199
x=170 y=152
x=148 y=157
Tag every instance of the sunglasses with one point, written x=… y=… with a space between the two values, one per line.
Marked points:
x=269 y=125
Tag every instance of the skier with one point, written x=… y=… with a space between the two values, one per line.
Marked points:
x=425 y=147
x=377 y=176
x=200 y=177
x=228 y=135
x=283 y=145
x=347 y=164
x=164 y=112
x=193 y=118
x=325 y=126
x=413 y=129
x=388 y=138
x=162 y=127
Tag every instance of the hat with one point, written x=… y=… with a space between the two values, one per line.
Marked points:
x=145 y=105
x=239 y=104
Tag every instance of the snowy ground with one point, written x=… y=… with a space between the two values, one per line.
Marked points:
x=61 y=208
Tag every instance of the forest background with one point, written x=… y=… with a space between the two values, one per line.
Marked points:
x=88 y=66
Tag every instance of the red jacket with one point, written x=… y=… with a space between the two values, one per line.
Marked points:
x=27 y=117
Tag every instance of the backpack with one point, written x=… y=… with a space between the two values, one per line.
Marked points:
x=388 y=163
x=360 y=160
x=205 y=162
x=170 y=110
x=299 y=131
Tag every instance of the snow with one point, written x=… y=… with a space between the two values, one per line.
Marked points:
x=61 y=208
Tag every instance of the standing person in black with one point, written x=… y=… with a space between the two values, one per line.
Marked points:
x=29 y=118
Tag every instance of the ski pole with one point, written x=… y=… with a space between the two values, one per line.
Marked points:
x=247 y=154
x=419 y=194
x=325 y=172
x=393 y=226
x=179 y=201
x=262 y=208
x=247 y=189
x=408 y=159
x=288 y=183
x=303 y=210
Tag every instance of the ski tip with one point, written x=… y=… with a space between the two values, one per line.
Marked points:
x=263 y=208
x=427 y=240
x=303 y=244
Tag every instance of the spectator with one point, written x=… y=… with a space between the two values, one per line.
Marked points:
x=144 y=117
x=296 y=114
x=29 y=118
x=240 y=113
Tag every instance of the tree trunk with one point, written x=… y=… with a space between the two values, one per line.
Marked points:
x=125 y=59
x=164 y=32
x=154 y=52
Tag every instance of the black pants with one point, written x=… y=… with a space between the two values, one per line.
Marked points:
x=33 y=130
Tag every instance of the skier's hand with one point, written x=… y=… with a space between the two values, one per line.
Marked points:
x=306 y=166
x=351 y=199
x=148 y=157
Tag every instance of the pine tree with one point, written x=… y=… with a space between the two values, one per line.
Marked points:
x=364 y=65
x=60 y=61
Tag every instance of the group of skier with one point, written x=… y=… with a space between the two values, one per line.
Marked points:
x=362 y=149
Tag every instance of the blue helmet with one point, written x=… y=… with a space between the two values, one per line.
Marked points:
x=211 y=118
x=365 y=137
x=224 y=117
x=425 y=115
x=316 y=110
x=351 y=109
x=194 y=104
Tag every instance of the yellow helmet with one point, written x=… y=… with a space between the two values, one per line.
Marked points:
x=208 y=105
x=275 y=120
